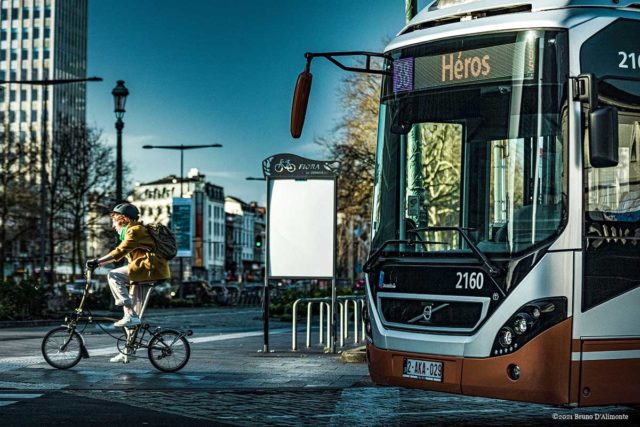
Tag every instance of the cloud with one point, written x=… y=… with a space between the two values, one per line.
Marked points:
x=309 y=149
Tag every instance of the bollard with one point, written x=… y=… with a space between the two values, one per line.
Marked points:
x=309 y=306
x=294 y=326
x=342 y=325
x=364 y=307
x=321 y=325
x=328 y=306
x=355 y=321
x=346 y=318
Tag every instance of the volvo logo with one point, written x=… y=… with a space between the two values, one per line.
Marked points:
x=427 y=312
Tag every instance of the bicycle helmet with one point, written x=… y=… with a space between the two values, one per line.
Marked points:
x=128 y=210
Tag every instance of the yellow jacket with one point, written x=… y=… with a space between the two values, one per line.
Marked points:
x=143 y=264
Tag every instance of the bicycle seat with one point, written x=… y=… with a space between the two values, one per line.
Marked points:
x=145 y=282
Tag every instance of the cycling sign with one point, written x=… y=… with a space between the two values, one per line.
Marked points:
x=296 y=167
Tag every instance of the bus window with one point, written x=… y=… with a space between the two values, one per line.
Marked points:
x=612 y=220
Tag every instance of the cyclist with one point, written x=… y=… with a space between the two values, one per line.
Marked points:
x=136 y=244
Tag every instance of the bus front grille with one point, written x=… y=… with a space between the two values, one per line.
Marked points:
x=431 y=312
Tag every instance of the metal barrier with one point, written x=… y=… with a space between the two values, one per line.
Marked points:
x=357 y=302
x=324 y=305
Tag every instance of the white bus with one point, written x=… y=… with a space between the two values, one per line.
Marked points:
x=506 y=215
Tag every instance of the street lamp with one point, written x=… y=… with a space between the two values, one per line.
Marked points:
x=43 y=156
x=120 y=93
x=181 y=147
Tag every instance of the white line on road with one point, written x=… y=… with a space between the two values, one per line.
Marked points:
x=236 y=335
x=14 y=363
x=19 y=395
x=16 y=396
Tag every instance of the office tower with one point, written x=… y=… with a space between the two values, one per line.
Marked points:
x=40 y=40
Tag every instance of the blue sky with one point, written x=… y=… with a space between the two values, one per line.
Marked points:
x=213 y=71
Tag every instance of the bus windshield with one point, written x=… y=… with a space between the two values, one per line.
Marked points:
x=472 y=138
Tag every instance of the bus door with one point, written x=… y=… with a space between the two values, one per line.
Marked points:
x=606 y=330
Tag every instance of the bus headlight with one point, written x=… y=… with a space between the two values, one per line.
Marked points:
x=528 y=321
x=522 y=323
x=505 y=337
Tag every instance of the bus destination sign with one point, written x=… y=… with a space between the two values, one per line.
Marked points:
x=513 y=61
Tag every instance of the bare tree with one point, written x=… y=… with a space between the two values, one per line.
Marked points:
x=352 y=142
x=86 y=169
x=18 y=195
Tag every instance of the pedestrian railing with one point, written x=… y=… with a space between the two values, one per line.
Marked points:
x=357 y=302
x=324 y=307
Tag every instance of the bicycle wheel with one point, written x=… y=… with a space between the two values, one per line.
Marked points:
x=169 y=350
x=62 y=347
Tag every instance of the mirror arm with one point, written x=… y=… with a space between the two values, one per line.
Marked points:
x=367 y=68
x=585 y=90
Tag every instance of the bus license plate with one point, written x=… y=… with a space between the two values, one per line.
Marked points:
x=422 y=370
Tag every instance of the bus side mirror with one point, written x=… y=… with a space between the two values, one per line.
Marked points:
x=603 y=137
x=300 y=101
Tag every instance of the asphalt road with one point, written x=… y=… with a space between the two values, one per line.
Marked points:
x=228 y=381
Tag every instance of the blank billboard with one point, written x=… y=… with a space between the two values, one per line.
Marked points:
x=301 y=226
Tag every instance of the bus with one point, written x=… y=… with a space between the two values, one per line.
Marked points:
x=505 y=248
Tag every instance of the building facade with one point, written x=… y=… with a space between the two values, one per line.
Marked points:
x=245 y=226
x=155 y=201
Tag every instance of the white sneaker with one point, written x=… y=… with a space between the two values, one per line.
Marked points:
x=121 y=358
x=128 y=321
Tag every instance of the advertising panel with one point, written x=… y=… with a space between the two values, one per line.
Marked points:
x=181 y=225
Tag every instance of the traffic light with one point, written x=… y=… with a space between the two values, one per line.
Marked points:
x=258 y=242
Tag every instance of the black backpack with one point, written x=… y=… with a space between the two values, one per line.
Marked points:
x=166 y=245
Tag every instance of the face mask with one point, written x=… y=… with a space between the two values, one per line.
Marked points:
x=123 y=231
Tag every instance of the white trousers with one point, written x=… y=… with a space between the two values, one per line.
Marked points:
x=118 y=279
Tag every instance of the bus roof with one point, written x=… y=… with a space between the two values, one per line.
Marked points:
x=442 y=12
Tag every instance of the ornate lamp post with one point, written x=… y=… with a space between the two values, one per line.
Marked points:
x=120 y=93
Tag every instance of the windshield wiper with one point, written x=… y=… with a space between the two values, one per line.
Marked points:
x=493 y=270
x=375 y=255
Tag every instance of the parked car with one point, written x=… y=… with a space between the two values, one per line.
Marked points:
x=252 y=294
x=76 y=288
x=234 y=294
x=197 y=290
x=221 y=293
x=164 y=289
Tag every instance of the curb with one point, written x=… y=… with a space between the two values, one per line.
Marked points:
x=355 y=355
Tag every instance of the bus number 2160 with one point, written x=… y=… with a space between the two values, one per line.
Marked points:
x=470 y=280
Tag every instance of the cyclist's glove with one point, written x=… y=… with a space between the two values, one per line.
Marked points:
x=92 y=264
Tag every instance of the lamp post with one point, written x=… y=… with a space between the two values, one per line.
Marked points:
x=265 y=291
x=120 y=93
x=181 y=147
x=43 y=155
